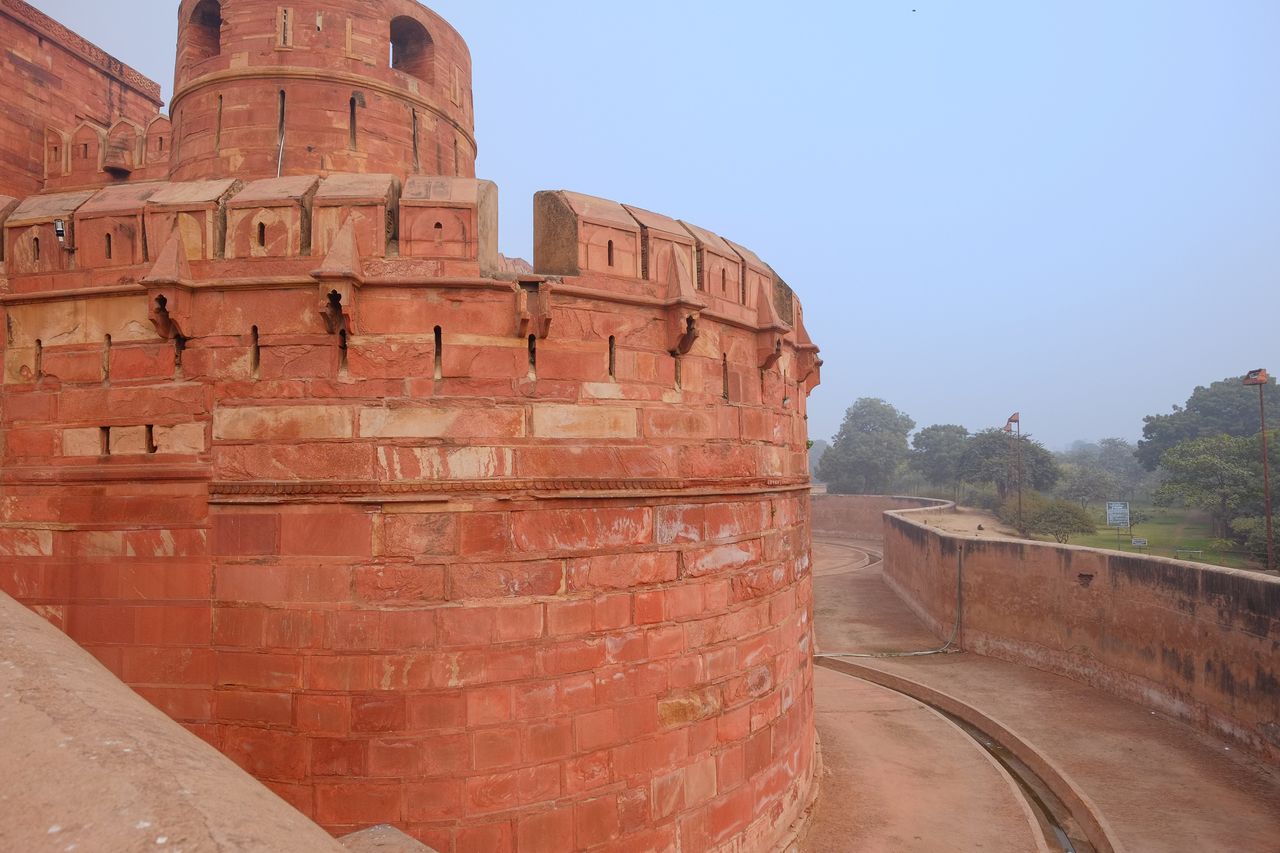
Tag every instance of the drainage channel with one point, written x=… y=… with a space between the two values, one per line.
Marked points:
x=1060 y=828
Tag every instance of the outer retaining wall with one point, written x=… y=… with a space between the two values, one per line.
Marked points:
x=1198 y=642
x=860 y=516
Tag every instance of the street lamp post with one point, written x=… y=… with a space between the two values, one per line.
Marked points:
x=1261 y=379
x=1016 y=420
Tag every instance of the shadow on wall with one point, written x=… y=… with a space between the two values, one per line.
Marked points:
x=1196 y=642
x=91 y=762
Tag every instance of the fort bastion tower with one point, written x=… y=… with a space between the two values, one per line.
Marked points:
x=514 y=560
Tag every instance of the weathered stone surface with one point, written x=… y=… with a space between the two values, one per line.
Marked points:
x=414 y=536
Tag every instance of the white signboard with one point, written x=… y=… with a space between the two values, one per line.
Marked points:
x=1117 y=514
x=1139 y=543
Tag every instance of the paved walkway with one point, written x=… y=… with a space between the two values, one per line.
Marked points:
x=1163 y=786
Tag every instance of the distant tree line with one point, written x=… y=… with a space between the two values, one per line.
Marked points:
x=1208 y=455
x=1204 y=455
x=874 y=452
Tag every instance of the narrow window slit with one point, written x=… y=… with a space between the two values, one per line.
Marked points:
x=255 y=352
x=613 y=357
x=35 y=248
x=610 y=253
x=416 y=157
x=151 y=438
x=179 y=347
x=724 y=374
x=679 y=371
x=106 y=359
x=104 y=441
x=342 y=351
x=439 y=357
x=39 y=366
x=351 y=124
x=262 y=234
x=217 y=132
x=533 y=356
x=108 y=247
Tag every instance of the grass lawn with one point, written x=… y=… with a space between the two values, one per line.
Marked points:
x=1169 y=528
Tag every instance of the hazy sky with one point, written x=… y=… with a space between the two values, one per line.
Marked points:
x=1067 y=208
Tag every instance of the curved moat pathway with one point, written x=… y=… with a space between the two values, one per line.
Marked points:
x=901 y=777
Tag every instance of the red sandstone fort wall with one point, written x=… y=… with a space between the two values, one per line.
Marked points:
x=1195 y=641
x=512 y=561
x=414 y=565
x=67 y=103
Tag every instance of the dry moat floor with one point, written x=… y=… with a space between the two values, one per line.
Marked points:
x=900 y=777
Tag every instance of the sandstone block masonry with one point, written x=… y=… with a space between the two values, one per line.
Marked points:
x=512 y=560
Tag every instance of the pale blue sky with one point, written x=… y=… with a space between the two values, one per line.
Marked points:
x=1067 y=208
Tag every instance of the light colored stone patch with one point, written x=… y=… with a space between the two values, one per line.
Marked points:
x=424 y=422
x=584 y=422
x=82 y=442
x=602 y=390
x=282 y=422
x=183 y=438
x=773 y=461
x=25 y=542
x=128 y=441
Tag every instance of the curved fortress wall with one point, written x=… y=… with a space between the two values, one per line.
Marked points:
x=512 y=561
x=1194 y=641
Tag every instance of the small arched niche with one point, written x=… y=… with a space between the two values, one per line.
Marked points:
x=412 y=50
x=204 y=38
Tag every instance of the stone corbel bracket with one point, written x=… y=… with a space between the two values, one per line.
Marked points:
x=770 y=328
x=683 y=311
x=171 y=291
x=809 y=366
x=683 y=330
x=533 y=307
x=338 y=280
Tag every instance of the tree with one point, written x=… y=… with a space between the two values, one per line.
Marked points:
x=1085 y=483
x=1061 y=520
x=1111 y=457
x=817 y=449
x=867 y=451
x=1218 y=473
x=938 y=452
x=1226 y=407
x=991 y=456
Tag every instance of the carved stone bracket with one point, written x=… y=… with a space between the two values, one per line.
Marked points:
x=170 y=295
x=683 y=330
x=533 y=308
x=338 y=280
x=770 y=328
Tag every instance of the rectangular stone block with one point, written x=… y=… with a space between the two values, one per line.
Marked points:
x=181 y=438
x=276 y=423
x=584 y=422
x=82 y=442
x=425 y=422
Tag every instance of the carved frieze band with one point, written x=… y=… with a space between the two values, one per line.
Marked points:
x=75 y=43
x=444 y=489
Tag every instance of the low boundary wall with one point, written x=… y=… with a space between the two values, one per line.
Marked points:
x=1198 y=642
x=860 y=516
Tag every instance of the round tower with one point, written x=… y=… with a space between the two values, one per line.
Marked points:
x=264 y=89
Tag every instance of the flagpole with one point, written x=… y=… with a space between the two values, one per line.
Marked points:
x=1262 y=380
x=1022 y=524
x=1266 y=478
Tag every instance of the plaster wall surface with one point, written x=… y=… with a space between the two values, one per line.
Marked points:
x=509 y=560
x=1194 y=641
